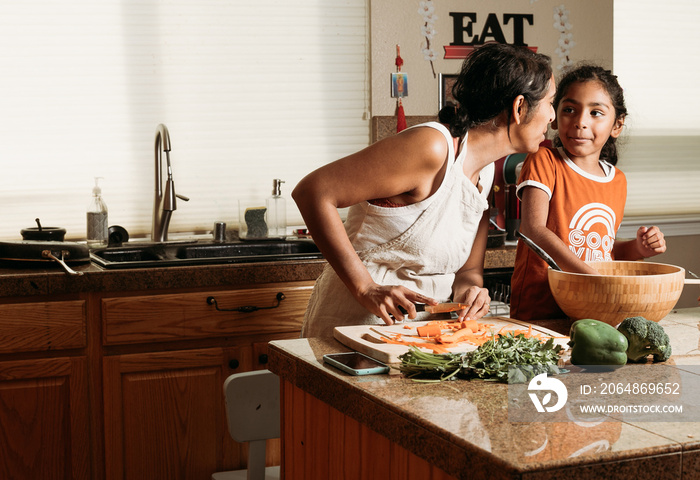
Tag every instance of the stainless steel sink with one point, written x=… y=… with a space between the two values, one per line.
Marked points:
x=203 y=253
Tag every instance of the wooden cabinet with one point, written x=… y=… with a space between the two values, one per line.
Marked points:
x=122 y=385
x=164 y=408
x=44 y=400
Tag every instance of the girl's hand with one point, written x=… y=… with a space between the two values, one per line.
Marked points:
x=384 y=301
x=479 y=300
x=650 y=241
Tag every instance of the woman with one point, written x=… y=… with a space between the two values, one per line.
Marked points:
x=417 y=226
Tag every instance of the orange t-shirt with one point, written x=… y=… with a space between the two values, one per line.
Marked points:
x=585 y=212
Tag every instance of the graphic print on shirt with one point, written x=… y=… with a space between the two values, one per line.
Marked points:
x=592 y=232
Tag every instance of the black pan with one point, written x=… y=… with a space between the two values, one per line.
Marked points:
x=53 y=234
x=29 y=251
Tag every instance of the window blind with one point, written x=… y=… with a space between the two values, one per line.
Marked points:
x=249 y=91
x=657 y=60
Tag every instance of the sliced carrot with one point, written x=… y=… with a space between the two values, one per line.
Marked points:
x=472 y=324
x=429 y=330
x=475 y=334
x=432 y=346
x=456 y=337
x=444 y=324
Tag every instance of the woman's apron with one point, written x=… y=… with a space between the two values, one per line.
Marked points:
x=423 y=258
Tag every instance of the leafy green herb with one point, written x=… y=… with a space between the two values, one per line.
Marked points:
x=490 y=361
x=430 y=367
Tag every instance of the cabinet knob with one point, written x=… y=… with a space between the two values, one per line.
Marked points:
x=262 y=358
x=233 y=364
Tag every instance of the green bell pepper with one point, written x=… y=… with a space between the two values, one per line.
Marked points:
x=596 y=343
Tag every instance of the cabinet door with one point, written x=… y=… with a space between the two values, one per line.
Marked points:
x=44 y=426
x=165 y=415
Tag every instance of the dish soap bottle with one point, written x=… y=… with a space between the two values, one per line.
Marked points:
x=276 y=211
x=97 y=229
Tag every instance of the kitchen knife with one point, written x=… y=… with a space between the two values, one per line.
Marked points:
x=439 y=308
x=538 y=250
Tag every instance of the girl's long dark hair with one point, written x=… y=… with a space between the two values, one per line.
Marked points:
x=490 y=80
x=595 y=73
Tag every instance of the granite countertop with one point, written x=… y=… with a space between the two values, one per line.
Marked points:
x=51 y=279
x=48 y=278
x=463 y=426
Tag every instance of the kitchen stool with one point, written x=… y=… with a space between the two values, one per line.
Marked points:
x=253 y=412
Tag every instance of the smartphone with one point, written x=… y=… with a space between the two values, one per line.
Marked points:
x=355 y=363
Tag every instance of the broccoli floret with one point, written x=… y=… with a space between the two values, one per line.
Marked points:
x=645 y=338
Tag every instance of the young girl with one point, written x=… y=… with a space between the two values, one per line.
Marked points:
x=417 y=225
x=573 y=197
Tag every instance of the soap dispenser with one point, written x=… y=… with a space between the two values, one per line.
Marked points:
x=276 y=211
x=97 y=229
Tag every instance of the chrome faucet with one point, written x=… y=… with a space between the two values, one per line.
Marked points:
x=164 y=202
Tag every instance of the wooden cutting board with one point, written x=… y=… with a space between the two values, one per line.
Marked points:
x=367 y=338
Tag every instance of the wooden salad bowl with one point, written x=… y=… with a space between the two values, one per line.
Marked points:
x=623 y=289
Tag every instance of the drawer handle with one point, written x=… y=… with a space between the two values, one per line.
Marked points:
x=246 y=308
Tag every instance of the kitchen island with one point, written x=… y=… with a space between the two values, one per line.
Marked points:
x=336 y=425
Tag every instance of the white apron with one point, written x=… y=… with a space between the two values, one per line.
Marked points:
x=423 y=258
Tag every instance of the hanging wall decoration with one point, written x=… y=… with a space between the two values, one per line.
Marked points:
x=427 y=12
x=471 y=30
x=446 y=82
x=399 y=89
x=399 y=85
x=566 y=37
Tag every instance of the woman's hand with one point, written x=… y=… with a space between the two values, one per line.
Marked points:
x=479 y=300
x=650 y=241
x=384 y=301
